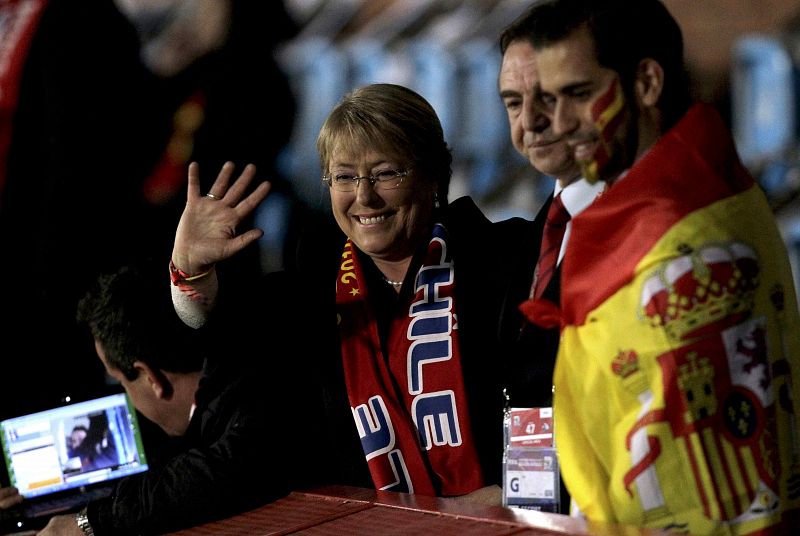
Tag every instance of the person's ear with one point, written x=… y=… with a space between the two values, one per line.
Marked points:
x=649 y=82
x=155 y=378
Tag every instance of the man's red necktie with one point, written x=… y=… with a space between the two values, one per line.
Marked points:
x=553 y=235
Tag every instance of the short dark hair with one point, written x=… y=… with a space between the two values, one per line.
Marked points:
x=624 y=33
x=521 y=29
x=396 y=119
x=130 y=312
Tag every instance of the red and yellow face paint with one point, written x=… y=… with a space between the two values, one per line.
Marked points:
x=607 y=114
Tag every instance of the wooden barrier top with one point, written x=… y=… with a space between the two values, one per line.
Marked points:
x=346 y=510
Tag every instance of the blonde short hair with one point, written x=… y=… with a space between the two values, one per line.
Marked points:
x=394 y=119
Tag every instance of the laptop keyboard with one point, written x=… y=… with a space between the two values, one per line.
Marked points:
x=63 y=504
x=15 y=512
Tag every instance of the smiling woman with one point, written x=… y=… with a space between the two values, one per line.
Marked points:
x=385 y=218
x=420 y=288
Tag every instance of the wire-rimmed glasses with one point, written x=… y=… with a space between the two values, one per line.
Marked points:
x=385 y=179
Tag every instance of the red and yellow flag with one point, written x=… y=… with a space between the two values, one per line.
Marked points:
x=676 y=384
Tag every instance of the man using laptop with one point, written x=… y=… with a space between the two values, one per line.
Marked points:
x=224 y=417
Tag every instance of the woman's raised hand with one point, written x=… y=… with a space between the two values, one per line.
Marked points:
x=207 y=230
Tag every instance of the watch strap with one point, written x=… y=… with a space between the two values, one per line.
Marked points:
x=82 y=519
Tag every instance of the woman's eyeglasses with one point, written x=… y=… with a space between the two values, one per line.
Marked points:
x=386 y=179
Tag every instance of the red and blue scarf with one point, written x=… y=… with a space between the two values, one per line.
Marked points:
x=410 y=406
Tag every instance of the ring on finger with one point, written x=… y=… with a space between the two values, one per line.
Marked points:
x=212 y=196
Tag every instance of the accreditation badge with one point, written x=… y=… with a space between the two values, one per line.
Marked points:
x=530 y=465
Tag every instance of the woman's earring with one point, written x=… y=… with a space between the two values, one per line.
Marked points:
x=436 y=200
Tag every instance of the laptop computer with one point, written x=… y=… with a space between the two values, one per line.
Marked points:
x=61 y=458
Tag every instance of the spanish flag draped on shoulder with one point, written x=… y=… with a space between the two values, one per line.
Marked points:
x=678 y=374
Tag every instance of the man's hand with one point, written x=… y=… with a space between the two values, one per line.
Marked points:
x=9 y=497
x=61 y=526
x=489 y=495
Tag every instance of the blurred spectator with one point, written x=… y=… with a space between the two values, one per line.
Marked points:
x=99 y=115
x=222 y=94
x=71 y=130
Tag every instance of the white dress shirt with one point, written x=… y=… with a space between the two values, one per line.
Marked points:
x=576 y=196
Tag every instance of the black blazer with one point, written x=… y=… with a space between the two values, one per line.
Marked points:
x=530 y=349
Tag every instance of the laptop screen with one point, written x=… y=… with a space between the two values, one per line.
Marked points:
x=71 y=446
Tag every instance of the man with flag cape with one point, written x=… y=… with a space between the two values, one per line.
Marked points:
x=676 y=381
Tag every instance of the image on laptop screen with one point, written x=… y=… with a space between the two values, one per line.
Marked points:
x=73 y=446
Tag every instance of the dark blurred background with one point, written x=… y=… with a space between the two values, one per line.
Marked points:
x=103 y=104
x=743 y=56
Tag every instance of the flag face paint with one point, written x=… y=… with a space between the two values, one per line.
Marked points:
x=607 y=114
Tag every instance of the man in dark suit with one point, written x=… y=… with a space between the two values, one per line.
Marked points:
x=529 y=328
x=532 y=346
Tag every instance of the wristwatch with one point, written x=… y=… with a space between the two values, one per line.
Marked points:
x=83 y=523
